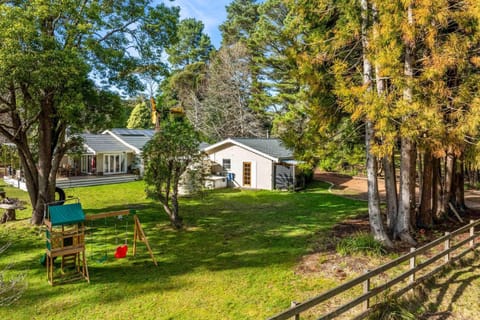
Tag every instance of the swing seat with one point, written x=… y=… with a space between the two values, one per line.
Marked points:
x=121 y=251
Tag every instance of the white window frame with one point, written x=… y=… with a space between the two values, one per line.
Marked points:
x=114 y=163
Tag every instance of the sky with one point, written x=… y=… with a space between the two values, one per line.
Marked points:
x=211 y=12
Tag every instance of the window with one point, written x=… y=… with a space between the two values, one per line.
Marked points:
x=113 y=163
x=247 y=174
x=226 y=164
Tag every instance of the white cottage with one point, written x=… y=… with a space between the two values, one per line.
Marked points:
x=255 y=163
x=114 y=151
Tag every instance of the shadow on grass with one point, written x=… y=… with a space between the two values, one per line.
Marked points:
x=436 y=298
x=224 y=230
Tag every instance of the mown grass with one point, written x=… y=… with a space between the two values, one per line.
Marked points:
x=234 y=260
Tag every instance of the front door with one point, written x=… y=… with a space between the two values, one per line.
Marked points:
x=247 y=174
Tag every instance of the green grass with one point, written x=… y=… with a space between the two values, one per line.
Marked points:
x=360 y=243
x=234 y=260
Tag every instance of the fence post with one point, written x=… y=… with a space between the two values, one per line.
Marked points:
x=472 y=233
x=366 y=289
x=293 y=305
x=447 y=246
x=412 y=266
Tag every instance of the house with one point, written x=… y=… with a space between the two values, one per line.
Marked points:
x=255 y=163
x=135 y=139
x=114 y=156
x=115 y=151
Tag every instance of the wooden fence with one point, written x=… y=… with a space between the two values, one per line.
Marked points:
x=456 y=245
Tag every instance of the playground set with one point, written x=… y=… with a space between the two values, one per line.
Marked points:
x=67 y=231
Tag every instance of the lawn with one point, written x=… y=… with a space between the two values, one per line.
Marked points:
x=234 y=260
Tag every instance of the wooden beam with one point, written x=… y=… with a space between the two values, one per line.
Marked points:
x=90 y=217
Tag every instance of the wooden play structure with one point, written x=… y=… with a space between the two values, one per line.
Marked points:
x=66 y=239
x=65 y=236
x=138 y=233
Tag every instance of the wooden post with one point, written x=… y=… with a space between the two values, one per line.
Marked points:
x=412 y=267
x=366 y=289
x=472 y=233
x=447 y=246
x=140 y=235
x=293 y=305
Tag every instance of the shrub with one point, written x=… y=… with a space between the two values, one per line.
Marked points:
x=360 y=243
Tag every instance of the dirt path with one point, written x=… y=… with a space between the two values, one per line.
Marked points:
x=356 y=188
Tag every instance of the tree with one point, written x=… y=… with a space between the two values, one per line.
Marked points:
x=227 y=96
x=185 y=85
x=192 y=44
x=238 y=31
x=48 y=52
x=242 y=15
x=167 y=156
x=141 y=117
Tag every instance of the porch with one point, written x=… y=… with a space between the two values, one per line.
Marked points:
x=77 y=181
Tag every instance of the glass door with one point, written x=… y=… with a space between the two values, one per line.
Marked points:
x=247 y=174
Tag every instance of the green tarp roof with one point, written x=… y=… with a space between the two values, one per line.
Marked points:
x=66 y=214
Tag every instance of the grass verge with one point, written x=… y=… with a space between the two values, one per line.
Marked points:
x=234 y=260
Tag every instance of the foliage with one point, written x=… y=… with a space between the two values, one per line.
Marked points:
x=228 y=95
x=360 y=243
x=242 y=16
x=141 y=117
x=393 y=309
x=192 y=44
x=49 y=52
x=167 y=156
x=184 y=87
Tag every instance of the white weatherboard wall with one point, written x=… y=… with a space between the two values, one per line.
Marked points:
x=261 y=166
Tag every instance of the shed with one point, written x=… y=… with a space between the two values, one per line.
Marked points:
x=255 y=163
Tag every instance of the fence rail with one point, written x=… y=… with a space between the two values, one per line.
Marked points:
x=365 y=279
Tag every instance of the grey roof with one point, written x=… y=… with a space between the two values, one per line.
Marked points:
x=136 y=141
x=102 y=143
x=137 y=138
x=133 y=132
x=203 y=145
x=271 y=147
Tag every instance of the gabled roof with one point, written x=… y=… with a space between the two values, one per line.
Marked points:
x=269 y=148
x=133 y=132
x=132 y=138
x=103 y=143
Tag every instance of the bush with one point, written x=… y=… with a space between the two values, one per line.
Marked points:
x=360 y=243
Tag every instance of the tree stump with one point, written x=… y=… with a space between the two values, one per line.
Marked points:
x=8 y=215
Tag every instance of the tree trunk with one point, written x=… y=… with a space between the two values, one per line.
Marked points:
x=402 y=225
x=376 y=223
x=388 y=160
x=413 y=186
x=425 y=217
x=375 y=217
x=449 y=179
x=8 y=215
x=391 y=191
x=460 y=185
x=437 y=207
x=175 y=218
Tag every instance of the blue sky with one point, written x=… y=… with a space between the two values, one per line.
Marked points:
x=211 y=12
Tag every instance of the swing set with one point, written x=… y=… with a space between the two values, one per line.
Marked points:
x=138 y=233
x=65 y=239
